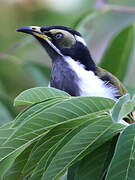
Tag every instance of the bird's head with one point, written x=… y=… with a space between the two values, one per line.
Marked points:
x=61 y=41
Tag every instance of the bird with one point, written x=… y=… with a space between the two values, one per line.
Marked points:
x=73 y=68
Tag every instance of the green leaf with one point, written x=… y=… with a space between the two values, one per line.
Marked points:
x=95 y=164
x=80 y=142
x=131 y=90
x=122 y=166
x=6 y=163
x=127 y=107
x=11 y=150
x=39 y=170
x=123 y=107
x=5 y=132
x=46 y=159
x=54 y=133
x=51 y=139
x=62 y=111
x=41 y=147
x=100 y=27
x=15 y=172
x=90 y=167
x=72 y=109
x=117 y=56
x=35 y=109
x=38 y=94
x=7 y=125
x=117 y=107
x=12 y=146
x=35 y=125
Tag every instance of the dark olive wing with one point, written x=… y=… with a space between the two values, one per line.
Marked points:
x=108 y=77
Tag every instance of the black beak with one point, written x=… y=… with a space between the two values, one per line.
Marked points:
x=30 y=30
x=35 y=31
x=44 y=39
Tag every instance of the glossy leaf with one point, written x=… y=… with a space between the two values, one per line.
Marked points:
x=90 y=167
x=46 y=159
x=123 y=162
x=6 y=163
x=117 y=107
x=127 y=107
x=39 y=170
x=83 y=139
x=11 y=151
x=39 y=150
x=15 y=172
x=28 y=130
x=54 y=133
x=95 y=164
x=33 y=110
x=7 y=125
x=50 y=140
x=35 y=95
x=123 y=107
x=61 y=112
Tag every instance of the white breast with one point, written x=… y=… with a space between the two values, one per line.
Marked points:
x=89 y=83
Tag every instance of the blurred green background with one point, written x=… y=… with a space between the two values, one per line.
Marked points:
x=107 y=26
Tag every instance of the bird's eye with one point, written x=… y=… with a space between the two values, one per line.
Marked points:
x=59 y=36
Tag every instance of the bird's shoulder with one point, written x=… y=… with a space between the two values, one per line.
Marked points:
x=110 y=78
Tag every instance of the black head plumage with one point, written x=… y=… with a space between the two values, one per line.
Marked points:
x=70 y=43
x=72 y=31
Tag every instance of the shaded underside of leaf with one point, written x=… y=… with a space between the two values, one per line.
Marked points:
x=90 y=167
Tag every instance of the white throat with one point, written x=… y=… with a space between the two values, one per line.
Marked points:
x=89 y=83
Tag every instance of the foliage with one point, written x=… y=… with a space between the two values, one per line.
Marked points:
x=57 y=132
x=68 y=129
x=49 y=134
